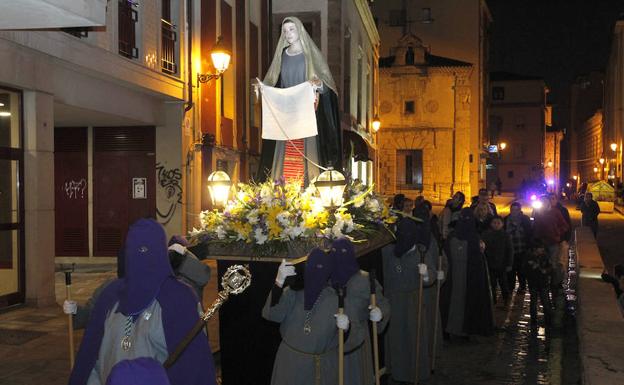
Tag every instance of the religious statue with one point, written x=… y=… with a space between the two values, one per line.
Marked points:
x=297 y=60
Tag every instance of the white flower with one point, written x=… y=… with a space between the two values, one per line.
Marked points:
x=282 y=218
x=294 y=231
x=260 y=236
x=350 y=225
x=358 y=203
x=221 y=233
x=336 y=230
x=266 y=195
x=372 y=205
x=252 y=217
x=195 y=232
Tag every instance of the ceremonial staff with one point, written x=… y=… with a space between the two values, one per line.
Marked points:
x=421 y=250
x=373 y=304
x=236 y=279
x=439 y=278
x=70 y=320
x=341 y=295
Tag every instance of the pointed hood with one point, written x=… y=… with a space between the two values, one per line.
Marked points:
x=346 y=266
x=318 y=269
x=147 y=266
x=405 y=236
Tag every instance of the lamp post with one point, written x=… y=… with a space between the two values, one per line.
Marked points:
x=219 y=184
x=330 y=185
x=601 y=161
x=376 y=125
x=220 y=60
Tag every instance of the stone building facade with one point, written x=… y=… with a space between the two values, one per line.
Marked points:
x=425 y=107
x=453 y=29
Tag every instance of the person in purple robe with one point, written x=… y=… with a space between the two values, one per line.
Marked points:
x=140 y=371
x=147 y=313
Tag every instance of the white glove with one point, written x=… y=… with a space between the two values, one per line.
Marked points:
x=70 y=307
x=286 y=269
x=342 y=321
x=375 y=314
x=178 y=248
x=440 y=275
x=422 y=270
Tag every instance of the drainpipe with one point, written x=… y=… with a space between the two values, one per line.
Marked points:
x=189 y=60
x=454 y=131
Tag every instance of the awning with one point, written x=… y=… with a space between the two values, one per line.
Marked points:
x=355 y=146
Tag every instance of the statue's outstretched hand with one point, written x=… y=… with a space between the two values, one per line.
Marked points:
x=255 y=86
x=316 y=82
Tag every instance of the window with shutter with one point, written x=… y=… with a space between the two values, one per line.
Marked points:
x=127 y=19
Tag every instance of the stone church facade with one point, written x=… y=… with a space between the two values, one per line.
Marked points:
x=424 y=143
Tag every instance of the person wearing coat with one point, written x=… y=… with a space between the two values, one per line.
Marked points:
x=309 y=323
x=411 y=259
x=359 y=368
x=469 y=303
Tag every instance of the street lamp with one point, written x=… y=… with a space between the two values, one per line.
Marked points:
x=601 y=161
x=220 y=60
x=330 y=185
x=549 y=163
x=219 y=184
x=502 y=145
x=613 y=147
x=376 y=123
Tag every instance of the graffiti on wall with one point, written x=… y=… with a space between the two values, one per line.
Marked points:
x=75 y=189
x=170 y=192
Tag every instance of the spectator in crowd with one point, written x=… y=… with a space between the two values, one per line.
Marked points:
x=549 y=229
x=483 y=214
x=518 y=226
x=538 y=271
x=499 y=255
x=590 y=211
x=450 y=213
x=556 y=203
x=484 y=198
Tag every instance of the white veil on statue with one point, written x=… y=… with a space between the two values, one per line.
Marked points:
x=315 y=62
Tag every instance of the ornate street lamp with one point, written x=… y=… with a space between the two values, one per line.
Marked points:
x=376 y=123
x=330 y=185
x=219 y=184
x=220 y=60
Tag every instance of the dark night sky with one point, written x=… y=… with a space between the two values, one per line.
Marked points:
x=555 y=39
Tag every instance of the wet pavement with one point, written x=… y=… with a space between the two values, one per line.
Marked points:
x=518 y=353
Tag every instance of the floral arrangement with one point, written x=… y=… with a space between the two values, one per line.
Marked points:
x=272 y=215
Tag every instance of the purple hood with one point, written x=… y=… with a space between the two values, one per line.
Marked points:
x=147 y=266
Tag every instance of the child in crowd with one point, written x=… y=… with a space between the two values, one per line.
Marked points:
x=537 y=270
x=499 y=254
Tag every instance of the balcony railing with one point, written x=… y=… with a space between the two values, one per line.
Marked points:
x=167 y=53
x=127 y=19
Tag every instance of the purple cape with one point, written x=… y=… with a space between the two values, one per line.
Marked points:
x=318 y=269
x=140 y=371
x=148 y=278
x=345 y=263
